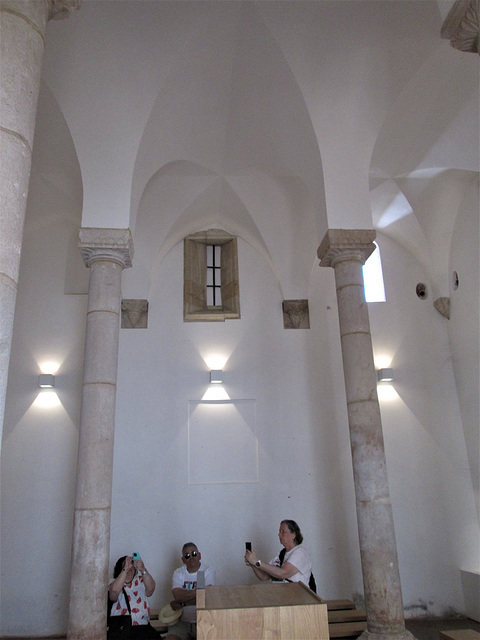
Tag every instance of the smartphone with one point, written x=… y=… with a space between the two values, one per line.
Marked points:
x=135 y=556
x=248 y=546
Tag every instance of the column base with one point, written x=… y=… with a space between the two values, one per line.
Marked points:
x=385 y=635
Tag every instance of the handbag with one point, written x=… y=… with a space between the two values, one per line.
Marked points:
x=119 y=627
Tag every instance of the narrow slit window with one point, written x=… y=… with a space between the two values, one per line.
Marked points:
x=214 y=276
x=210 y=282
x=373 y=278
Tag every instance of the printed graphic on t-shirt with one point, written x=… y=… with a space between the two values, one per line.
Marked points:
x=190 y=585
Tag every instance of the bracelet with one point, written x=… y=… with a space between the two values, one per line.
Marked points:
x=144 y=572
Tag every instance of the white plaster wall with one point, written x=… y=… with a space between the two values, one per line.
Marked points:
x=464 y=329
x=295 y=377
x=304 y=456
x=286 y=373
x=430 y=486
x=39 y=446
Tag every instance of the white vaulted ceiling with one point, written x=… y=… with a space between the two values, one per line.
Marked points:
x=275 y=120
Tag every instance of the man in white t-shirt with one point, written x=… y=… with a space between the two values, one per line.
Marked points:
x=184 y=589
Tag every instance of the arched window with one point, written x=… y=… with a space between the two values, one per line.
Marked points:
x=373 y=277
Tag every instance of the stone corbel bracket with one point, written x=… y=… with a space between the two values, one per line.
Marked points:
x=462 y=27
x=296 y=314
x=61 y=9
x=442 y=305
x=134 y=314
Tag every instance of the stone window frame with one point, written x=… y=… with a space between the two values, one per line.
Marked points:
x=195 y=308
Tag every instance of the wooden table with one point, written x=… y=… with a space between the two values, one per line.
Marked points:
x=275 y=611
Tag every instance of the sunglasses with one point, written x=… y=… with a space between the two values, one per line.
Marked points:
x=193 y=554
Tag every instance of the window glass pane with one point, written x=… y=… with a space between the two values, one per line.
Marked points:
x=373 y=278
x=214 y=276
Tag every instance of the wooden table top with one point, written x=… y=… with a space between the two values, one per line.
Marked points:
x=268 y=594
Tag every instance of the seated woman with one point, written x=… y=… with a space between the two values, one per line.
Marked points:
x=292 y=564
x=128 y=592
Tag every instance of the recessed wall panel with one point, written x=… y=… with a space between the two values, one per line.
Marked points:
x=222 y=442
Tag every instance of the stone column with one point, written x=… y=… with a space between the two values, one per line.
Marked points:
x=346 y=251
x=107 y=252
x=22 y=26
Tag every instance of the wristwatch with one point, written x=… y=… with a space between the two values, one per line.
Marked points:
x=143 y=573
x=258 y=564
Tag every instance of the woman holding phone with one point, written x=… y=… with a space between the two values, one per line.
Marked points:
x=128 y=593
x=292 y=564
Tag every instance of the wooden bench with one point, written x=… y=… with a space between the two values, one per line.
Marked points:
x=333 y=605
x=460 y=634
x=347 y=615
x=346 y=629
x=344 y=619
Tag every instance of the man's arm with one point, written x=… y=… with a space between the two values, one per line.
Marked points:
x=183 y=597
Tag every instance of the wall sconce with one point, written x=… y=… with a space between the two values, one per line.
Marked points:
x=46 y=381
x=216 y=376
x=385 y=375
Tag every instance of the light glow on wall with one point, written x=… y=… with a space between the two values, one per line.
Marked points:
x=387 y=393
x=215 y=360
x=383 y=361
x=49 y=366
x=47 y=399
x=216 y=392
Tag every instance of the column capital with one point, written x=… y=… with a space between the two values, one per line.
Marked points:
x=106 y=244
x=346 y=244
x=461 y=26
x=60 y=9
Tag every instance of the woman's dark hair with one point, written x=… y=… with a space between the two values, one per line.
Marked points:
x=294 y=528
x=118 y=567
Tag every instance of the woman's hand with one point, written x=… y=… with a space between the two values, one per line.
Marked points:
x=148 y=580
x=128 y=563
x=250 y=558
x=115 y=587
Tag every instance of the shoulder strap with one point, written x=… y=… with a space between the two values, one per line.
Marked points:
x=110 y=604
x=126 y=600
x=311 y=585
x=281 y=557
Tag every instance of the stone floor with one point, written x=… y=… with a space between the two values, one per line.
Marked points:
x=420 y=628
